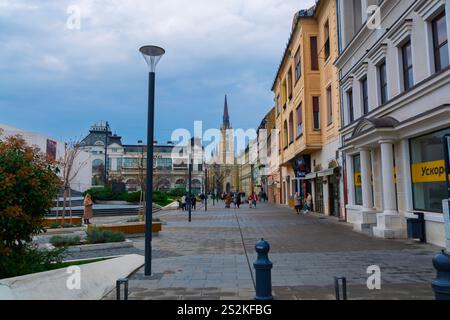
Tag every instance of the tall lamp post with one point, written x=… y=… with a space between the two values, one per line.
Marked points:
x=190 y=180
x=106 y=154
x=152 y=55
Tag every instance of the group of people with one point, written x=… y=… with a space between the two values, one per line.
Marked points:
x=187 y=200
x=307 y=203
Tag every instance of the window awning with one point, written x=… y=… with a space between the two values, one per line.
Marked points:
x=325 y=173
x=311 y=176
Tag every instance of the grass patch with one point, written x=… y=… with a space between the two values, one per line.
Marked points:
x=75 y=263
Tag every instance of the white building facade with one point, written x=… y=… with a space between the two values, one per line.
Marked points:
x=55 y=149
x=395 y=102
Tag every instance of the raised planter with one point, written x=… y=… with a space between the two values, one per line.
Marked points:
x=49 y=221
x=129 y=228
x=101 y=246
x=64 y=230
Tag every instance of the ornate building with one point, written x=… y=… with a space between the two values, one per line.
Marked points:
x=127 y=163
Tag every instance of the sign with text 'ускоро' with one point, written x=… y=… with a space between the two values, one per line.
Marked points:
x=424 y=172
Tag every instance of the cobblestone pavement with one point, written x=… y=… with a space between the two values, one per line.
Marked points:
x=212 y=257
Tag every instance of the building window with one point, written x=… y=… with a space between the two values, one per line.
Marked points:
x=428 y=171
x=289 y=84
x=291 y=127
x=327 y=40
x=314 y=54
x=164 y=164
x=299 y=121
x=357 y=179
x=365 y=96
x=298 y=67
x=351 y=113
x=285 y=135
x=278 y=104
x=284 y=94
x=382 y=78
x=408 y=77
x=330 y=106
x=316 y=113
x=269 y=146
x=440 y=42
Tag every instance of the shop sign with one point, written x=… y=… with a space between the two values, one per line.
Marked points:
x=358 y=181
x=426 y=172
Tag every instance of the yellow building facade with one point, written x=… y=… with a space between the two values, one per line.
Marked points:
x=306 y=92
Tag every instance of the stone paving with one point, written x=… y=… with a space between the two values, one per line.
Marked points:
x=212 y=257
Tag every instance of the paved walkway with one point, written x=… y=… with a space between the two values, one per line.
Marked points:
x=212 y=258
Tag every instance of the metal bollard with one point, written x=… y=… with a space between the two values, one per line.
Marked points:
x=263 y=268
x=337 y=289
x=125 y=290
x=441 y=285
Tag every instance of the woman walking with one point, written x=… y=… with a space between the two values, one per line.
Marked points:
x=298 y=203
x=88 y=212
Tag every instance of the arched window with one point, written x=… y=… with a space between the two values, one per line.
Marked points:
x=164 y=185
x=285 y=135
x=97 y=164
x=180 y=183
x=291 y=127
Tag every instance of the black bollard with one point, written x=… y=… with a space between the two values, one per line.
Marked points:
x=441 y=285
x=119 y=282
x=263 y=268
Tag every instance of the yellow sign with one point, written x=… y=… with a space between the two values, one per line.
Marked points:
x=425 y=172
x=358 y=182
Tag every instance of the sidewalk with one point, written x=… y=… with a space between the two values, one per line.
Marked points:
x=212 y=257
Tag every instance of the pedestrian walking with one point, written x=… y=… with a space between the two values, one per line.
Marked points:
x=228 y=200
x=88 y=212
x=297 y=202
x=183 y=203
x=308 y=203
x=194 y=202
x=254 y=199
x=238 y=200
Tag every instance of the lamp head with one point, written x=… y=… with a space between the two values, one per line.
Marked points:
x=152 y=55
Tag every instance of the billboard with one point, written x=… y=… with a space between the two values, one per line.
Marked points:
x=51 y=149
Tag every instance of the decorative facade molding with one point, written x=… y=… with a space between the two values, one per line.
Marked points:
x=401 y=32
x=347 y=84
x=361 y=70
x=428 y=8
x=378 y=54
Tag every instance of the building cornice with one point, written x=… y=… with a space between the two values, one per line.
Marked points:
x=428 y=8
x=401 y=32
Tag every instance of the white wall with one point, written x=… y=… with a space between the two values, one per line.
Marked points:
x=82 y=180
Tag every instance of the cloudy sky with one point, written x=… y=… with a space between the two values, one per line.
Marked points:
x=58 y=79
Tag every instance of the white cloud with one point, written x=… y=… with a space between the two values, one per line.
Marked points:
x=191 y=31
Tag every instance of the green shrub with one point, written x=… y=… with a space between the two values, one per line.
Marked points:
x=55 y=225
x=30 y=260
x=133 y=197
x=65 y=241
x=94 y=235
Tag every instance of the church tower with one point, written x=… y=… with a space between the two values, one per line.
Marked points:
x=226 y=146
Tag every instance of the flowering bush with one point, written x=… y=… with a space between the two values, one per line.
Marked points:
x=28 y=183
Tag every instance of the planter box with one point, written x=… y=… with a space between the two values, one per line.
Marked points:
x=129 y=228
x=101 y=246
x=49 y=221
x=64 y=230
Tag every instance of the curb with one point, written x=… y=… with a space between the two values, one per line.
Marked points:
x=101 y=246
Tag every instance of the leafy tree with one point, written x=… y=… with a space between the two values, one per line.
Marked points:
x=28 y=183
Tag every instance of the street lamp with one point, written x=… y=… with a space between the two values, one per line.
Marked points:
x=190 y=180
x=152 y=55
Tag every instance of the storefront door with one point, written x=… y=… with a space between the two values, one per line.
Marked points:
x=318 y=201
x=333 y=195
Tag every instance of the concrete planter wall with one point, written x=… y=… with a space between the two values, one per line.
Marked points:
x=49 y=221
x=101 y=246
x=130 y=228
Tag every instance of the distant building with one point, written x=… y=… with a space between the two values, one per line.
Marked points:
x=55 y=149
x=127 y=162
x=223 y=171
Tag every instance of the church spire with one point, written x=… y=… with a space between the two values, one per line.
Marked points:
x=226 y=116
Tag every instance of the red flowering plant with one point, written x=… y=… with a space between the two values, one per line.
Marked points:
x=28 y=184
